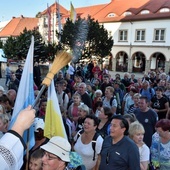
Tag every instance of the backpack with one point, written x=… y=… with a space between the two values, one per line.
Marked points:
x=118 y=109
x=64 y=94
x=63 y=97
x=111 y=100
x=150 y=91
x=76 y=162
x=96 y=135
x=103 y=132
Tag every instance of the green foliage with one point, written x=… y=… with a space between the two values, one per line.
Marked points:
x=10 y=48
x=67 y=35
x=17 y=47
x=51 y=50
x=98 y=42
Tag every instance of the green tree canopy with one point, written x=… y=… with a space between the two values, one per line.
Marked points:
x=97 y=42
x=17 y=47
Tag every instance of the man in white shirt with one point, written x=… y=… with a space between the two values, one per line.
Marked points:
x=71 y=70
x=61 y=95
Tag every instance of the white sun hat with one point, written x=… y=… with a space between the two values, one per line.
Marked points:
x=58 y=146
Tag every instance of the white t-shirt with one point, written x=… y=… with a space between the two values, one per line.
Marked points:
x=144 y=153
x=106 y=103
x=60 y=100
x=86 y=151
x=70 y=70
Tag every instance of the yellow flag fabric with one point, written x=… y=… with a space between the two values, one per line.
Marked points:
x=53 y=119
x=73 y=14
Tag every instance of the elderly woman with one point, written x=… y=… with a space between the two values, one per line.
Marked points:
x=130 y=100
x=160 y=148
x=97 y=97
x=136 y=133
x=56 y=154
x=135 y=105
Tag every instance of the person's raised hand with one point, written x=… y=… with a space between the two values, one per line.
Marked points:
x=24 y=120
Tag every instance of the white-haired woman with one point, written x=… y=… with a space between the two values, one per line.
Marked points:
x=136 y=133
x=97 y=97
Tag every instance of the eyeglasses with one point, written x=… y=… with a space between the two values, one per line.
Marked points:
x=50 y=157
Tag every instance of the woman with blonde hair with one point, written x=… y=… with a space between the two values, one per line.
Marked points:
x=109 y=100
x=136 y=133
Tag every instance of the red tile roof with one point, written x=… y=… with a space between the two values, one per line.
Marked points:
x=90 y=10
x=118 y=7
x=17 y=25
x=54 y=7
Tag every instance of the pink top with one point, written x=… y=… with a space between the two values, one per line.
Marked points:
x=75 y=111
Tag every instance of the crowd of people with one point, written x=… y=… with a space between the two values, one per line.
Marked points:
x=111 y=122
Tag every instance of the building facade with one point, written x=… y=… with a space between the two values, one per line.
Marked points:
x=140 y=30
x=140 y=45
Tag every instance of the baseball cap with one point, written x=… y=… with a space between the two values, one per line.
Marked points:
x=58 y=146
x=38 y=124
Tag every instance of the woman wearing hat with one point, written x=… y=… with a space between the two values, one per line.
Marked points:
x=56 y=154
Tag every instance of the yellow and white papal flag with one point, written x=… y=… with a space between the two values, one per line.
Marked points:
x=54 y=125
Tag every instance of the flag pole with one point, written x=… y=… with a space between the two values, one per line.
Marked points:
x=61 y=60
x=49 y=22
x=59 y=20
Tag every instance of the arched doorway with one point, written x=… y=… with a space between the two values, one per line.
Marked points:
x=158 y=61
x=121 y=61
x=139 y=62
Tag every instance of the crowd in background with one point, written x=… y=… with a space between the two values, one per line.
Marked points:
x=131 y=116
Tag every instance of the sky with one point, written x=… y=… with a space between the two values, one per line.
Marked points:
x=29 y=8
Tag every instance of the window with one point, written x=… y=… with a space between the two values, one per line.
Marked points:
x=145 y=12
x=164 y=10
x=123 y=35
x=140 y=35
x=127 y=13
x=111 y=15
x=159 y=35
x=109 y=33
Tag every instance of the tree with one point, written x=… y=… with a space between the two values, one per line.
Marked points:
x=10 y=48
x=17 y=47
x=97 y=41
